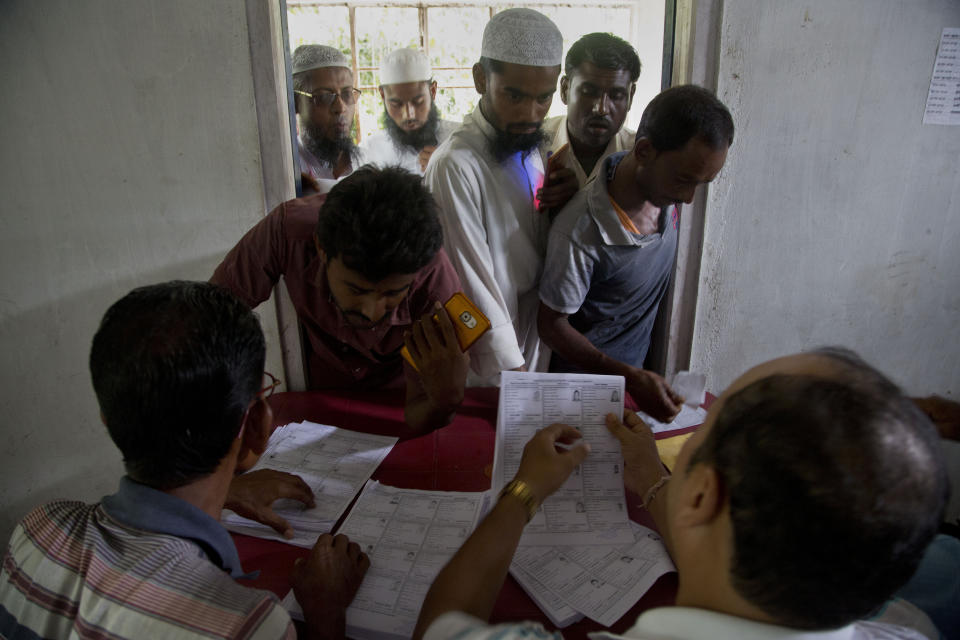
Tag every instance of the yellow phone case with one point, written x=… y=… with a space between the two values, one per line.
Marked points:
x=468 y=322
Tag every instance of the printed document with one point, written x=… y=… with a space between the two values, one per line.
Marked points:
x=409 y=535
x=602 y=582
x=334 y=462
x=590 y=507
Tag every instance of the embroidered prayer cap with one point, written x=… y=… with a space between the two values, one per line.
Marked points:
x=308 y=57
x=522 y=36
x=405 y=65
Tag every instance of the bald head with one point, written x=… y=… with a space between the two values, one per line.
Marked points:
x=835 y=486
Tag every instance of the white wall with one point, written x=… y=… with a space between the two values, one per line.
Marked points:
x=130 y=155
x=837 y=217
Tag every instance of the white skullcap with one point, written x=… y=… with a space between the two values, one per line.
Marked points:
x=307 y=57
x=522 y=36
x=405 y=65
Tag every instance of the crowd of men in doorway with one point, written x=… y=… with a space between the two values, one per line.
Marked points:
x=806 y=500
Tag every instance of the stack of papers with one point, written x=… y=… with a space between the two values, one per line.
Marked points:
x=579 y=555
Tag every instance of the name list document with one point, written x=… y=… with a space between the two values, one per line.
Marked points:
x=590 y=508
x=409 y=535
x=602 y=582
x=334 y=462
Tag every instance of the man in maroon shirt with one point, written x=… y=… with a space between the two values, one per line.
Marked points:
x=365 y=269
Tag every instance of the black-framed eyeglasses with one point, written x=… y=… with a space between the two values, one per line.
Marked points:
x=324 y=98
x=270 y=383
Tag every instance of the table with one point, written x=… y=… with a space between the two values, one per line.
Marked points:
x=455 y=458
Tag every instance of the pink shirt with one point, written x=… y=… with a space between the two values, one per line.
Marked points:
x=341 y=356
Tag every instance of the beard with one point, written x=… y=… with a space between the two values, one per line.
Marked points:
x=326 y=150
x=425 y=136
x=505 y=144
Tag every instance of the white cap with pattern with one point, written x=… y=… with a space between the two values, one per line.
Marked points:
x=522 y=36
x=405 y=65
x=308 y=57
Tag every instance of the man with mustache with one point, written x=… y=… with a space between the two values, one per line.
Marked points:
x=413 y=127
x=488 y=179
x=365 y=271
x=612 y=248
x=325 y=101
x=601 y=72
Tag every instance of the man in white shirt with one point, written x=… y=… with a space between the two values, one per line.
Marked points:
x=325 y=101
x=803 y=502
x=412 y=124
x=600 y=78
x=488 y=179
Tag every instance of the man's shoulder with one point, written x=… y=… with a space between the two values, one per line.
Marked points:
x=552 y=125
x=299 y=216
x=56 y=545
x=445 y=129
x=574 y=219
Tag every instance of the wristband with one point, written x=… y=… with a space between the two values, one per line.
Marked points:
x=521 y=491
x=652 y=492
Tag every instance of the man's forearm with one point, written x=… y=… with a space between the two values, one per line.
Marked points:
x=423 y=415
x=573 y=346
x=472 y=579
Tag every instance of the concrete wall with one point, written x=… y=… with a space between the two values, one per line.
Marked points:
x=837 y=217
x=130 y=156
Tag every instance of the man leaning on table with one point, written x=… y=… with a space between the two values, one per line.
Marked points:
x=802 y=503
x=177 y=369
x=365 y=271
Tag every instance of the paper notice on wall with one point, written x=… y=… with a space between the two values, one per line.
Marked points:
x=943 y=100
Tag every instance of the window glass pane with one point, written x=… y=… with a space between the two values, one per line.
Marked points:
x=454 y=104
x=455 y=35
x=380 y=30
x=369 y=109
x=319 y=25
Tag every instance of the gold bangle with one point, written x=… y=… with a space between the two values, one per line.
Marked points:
x=652 y=492
x=521 y=491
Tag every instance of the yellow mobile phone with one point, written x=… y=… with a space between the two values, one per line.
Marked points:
x=468 y=322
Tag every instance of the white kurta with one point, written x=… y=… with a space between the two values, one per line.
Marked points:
x=495 y=239
x=556 y=130
x=379 y=148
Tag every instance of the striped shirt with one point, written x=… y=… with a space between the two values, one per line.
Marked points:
x=141 y=564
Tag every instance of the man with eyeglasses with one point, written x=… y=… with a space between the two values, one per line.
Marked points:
x=612 y=248
x=601 y=72
x=325 y=101
x=412 y=124
x=489 y=180
x=177 y=370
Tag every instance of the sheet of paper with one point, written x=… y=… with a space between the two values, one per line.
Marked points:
x=688 y=417
x=692 y=386
x=602 y=582
x=409 y=535
x=943 y=99
x=590 y=507
x=334 y=462
x=560 y=613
